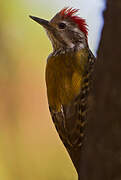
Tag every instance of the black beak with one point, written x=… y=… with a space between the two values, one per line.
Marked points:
x=42 y=22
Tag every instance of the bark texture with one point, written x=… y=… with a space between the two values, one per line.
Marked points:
x=101 y=154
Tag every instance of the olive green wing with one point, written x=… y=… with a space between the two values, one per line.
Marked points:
x=71 y=119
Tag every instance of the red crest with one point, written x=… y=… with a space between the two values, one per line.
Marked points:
x=70 y=13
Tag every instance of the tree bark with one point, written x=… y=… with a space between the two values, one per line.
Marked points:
x=101 y=154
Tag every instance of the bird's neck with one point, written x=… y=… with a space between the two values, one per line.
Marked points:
x=61 y=49
x=62 y=46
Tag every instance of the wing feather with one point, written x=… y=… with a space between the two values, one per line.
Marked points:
x=70 y=121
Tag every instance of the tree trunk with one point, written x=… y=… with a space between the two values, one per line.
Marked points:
x=101 y=154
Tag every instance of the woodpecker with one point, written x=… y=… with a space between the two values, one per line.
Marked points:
x=68 y=75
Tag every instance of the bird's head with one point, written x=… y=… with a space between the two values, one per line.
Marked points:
x=65 y=29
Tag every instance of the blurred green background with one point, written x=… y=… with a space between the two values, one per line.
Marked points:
x=30 y=148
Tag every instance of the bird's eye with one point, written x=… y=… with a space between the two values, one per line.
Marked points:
x=62 y=25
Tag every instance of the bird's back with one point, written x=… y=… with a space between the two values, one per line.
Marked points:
x=67 y=81
x=64 y=77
